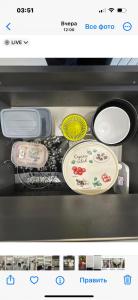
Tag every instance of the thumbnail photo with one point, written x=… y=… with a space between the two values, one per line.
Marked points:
x=2 y=263
x=32 y=263
x=69 y=263
x=98 y=263
x=117 y=263
x=106 y=263
x=44 y=263
x=90 y=263
x=21 y=263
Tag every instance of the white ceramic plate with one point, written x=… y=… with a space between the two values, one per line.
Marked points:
x=112 y=125
x=90 y=168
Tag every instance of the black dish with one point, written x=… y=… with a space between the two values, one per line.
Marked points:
x=128 y=108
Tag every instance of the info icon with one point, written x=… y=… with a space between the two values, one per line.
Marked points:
x=60 y=280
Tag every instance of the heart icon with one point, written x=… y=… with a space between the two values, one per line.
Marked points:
x=34 y=279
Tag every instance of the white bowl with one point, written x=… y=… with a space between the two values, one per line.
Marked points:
x=112 y=125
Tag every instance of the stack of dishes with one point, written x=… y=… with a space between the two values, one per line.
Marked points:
x=114 y=122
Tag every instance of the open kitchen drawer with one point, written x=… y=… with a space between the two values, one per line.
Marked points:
x=54 y=211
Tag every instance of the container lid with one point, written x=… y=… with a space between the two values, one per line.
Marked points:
x=74 y=127
x=90 y=168
x=21 y=123
x=29 y=155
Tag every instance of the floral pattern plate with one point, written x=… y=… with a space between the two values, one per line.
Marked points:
x=90 y=168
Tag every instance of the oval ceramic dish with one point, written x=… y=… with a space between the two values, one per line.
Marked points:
x=90 y=168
